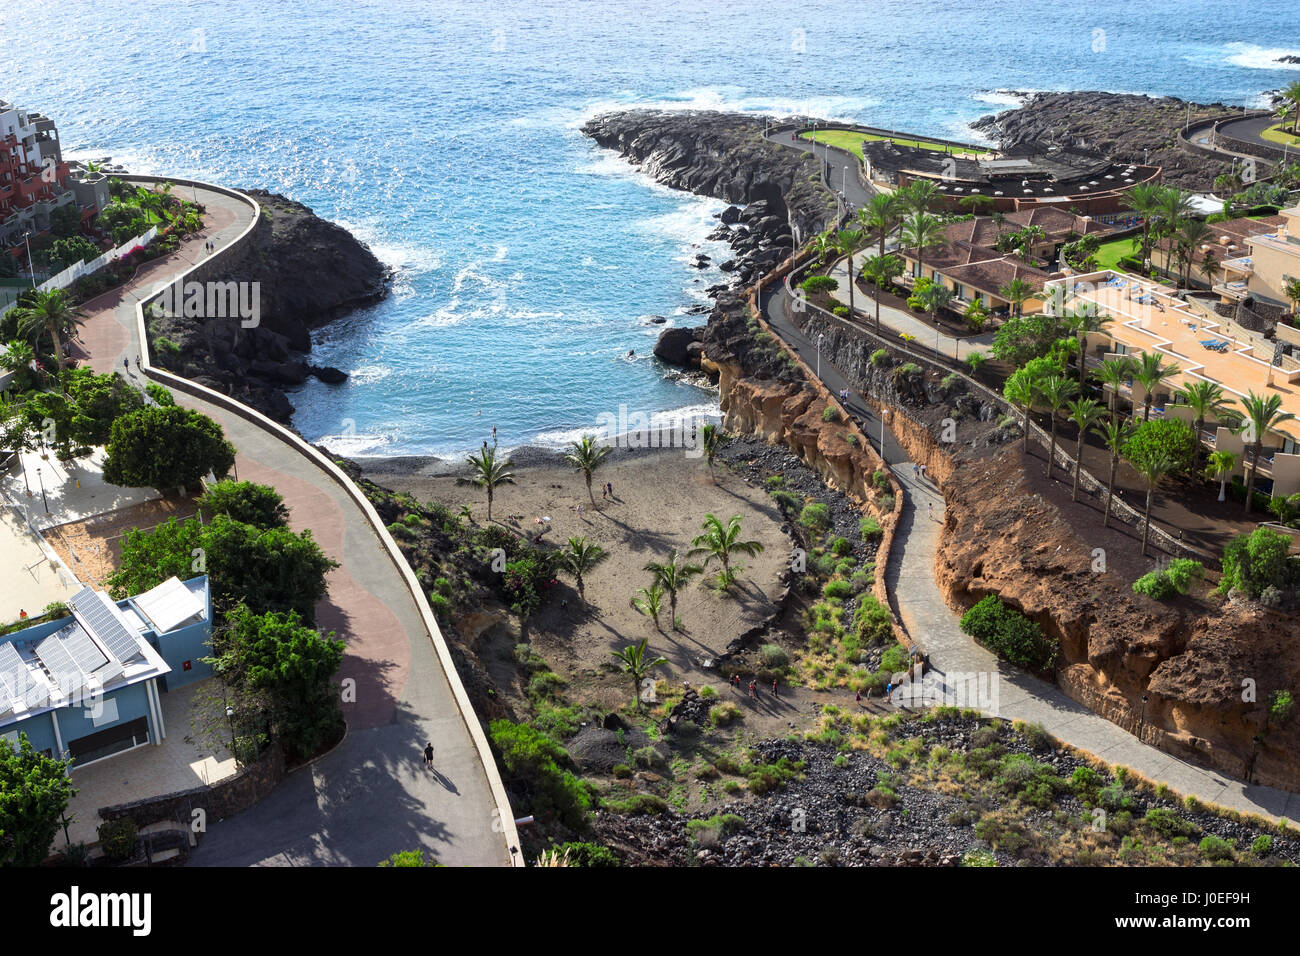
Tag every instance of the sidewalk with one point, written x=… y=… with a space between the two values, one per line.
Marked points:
x=372 y=796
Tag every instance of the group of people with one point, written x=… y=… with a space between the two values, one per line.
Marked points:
x=753 y=686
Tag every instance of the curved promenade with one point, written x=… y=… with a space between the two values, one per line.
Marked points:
x=372 y=795
x=930 y=623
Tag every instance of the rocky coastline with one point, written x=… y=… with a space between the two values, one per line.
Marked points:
x=311 y=271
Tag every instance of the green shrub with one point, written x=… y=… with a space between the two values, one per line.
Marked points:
x=787 y=502
x=880 y=358
x=1178 y=578
x=440 y=606
x=117 y=838
x=775 y=481
x=814 y=284
x=815 y=517
x=1164 y=821
x=1262 y=846
x=622 y=771
x=1254 y=562
x=541 y=765
x=1007 y=632
x=588 y=854
x=1155 y=584
x=637 y=805
x=720 y=715
x=873 y=621
x=880 y=478
x=841 y=546
x=707 y=692
x=842 y=311
x=773 y=656
x=838 y=589
x=1216 y=848
x=886 y=504
x=870 y=528
x=648 y=757
x=830 y=414
x=709 y=832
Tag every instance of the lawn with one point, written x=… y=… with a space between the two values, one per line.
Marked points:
x=1275 y=134
x=1109 y=253
x=852 y=141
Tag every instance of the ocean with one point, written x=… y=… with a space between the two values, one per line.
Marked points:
x=446 y=135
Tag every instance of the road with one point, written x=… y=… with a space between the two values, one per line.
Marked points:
x=372 y=795
x=909 y=578
x=843 y=168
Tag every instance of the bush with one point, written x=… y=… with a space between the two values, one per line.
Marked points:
x=838 y=589
x=117 y=839
x=1167 y=823
x=873 y=621
x=259 y=505
x=648 y=758
x=815 y=517
x=870 y=528
x=1262 y=846
x=830 y=414
x=842 y=311
x=880 y=358
x=637 y=805
x=720 y=715
x=166 y=448
x=1216 y=848
x=886 y=504
x=1155 y=584
x=1254 y=562
x=815 y=284
x=1007 y=632
x=841 y=546
x=588 y=854
x=880 y=478
x=787 y=502
x=540 y=766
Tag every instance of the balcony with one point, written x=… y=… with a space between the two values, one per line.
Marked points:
x=1242 y=265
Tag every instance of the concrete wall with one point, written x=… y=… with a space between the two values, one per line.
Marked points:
x=39 y=730
x=185 y=644
x=132 y=702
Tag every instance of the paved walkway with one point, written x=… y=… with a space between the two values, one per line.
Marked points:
x=372 y=795
x=909 y=578
x=899 y=321
x=841 y=168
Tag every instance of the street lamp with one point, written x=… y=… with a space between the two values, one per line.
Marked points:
x=820 y=336
x=43 y=498
x=230 y=722
x=1142 y=725
x=884 y=413
x=30 y=268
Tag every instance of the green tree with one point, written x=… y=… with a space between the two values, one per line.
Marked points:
x=934 y=298
x=637 y=665
x=1016 y=292
x=1291 y=96
x=34 y=794
x=847 y=242
x=1144 y=198
x=49 y=313
x=268 y=569
x=1263 y=413
x=1255 y=561
x=649 y=601
x=920 y=230
x=1191 y=234
x=580 y=558
x=1220 y=466
x=673 y=576
x=1116 y=436
x=720 y=542
x=166 y=448
x=1153 y=464
x=1025 y=337
x=259 y=505
x=1080 y=322
x=488 y=472
x=1085 y=414
x=586 y=456
x=1151 y=373
x=1114 y=373
x=1205 y=399
x=174 y=548
x=1165 y=437
x=95 y=402
x=69 y=251
x=881 y=215
x=1024 y=384
x=409 y=858
x=881 y=271
x=1055 y=392
x=283 y=669
x=710 y=437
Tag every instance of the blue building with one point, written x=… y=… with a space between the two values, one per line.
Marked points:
x=88 y=686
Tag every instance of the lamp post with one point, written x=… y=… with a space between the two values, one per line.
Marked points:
x=820 y=336
x=1142 y=725
x=31 y=270
x=230 y=722
x=884 y=413
x=42 y=483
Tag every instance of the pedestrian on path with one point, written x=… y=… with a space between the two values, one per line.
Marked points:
x=859 y=698
x=428 y=754
x=775 y=692
x=931 y=504
x=753 y=689
x=916 y=470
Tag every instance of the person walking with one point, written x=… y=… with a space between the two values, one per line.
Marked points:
x=858 y=697
x=775 y=691
x=752 y=686
x=428 y=754
x=610 y=486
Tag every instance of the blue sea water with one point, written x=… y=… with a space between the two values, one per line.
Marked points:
x=445 y=134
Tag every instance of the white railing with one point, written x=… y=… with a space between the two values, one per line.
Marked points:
x=80 y=269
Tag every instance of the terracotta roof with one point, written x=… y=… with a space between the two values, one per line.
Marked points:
x=992 y=274
x=1055 y=223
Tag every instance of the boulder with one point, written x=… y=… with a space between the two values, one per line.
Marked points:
x=730 y=216
x=328 y=374
x=673 y=346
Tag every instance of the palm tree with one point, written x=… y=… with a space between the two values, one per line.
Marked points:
x=881 y=215
x=934 y=298
x=999 y=220
x=1115 y=436
x=822 y=245
x=1085 y=413
x=920 y=196
x=975 y=202
x=1205 y=399
x=1022 y=390
x=1152 y=465
x=846 y=243
x=488 y=472
x=50 y=313
x=1083 y=320
x=636 y=665
x=920 y=230
x=1116 y=372
x=1209 y=267
x=1263 y=412
x=1173 y=208
x=1220 y=466
x=1191 y=235
x=673 y=576
x=1151 y=372
x=1291 y=94
x=720 y=542
x=1284 y=509
x=586 y=456
x=882 y=270
x=710 y=436
x=1145 y=200
x=1055 y=391
x=1016 y=292
x=1026 y=239
x=580 y=558
x=648 y=601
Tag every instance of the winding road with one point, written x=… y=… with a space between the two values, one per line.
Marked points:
x=372 y=795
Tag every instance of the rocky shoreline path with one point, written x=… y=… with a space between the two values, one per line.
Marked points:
x=371 y=796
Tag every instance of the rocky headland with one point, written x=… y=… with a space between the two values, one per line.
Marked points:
x=311 y=271
x=1123 y=126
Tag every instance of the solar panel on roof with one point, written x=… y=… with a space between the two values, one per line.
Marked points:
x=88 y=655
x=16 y=684
x=98 y=618
x=56 y=659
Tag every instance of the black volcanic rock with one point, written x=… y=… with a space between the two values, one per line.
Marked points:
x=1125 y=127
x=310 y=271
x=674 y=346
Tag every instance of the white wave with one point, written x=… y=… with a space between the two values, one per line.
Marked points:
x=1004 y=97
x=731 y=99
x=633 y=418
x=357 y=445
x=1255 y=57
x=369 y=374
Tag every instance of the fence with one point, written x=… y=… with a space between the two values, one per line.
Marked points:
x=79 y=270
